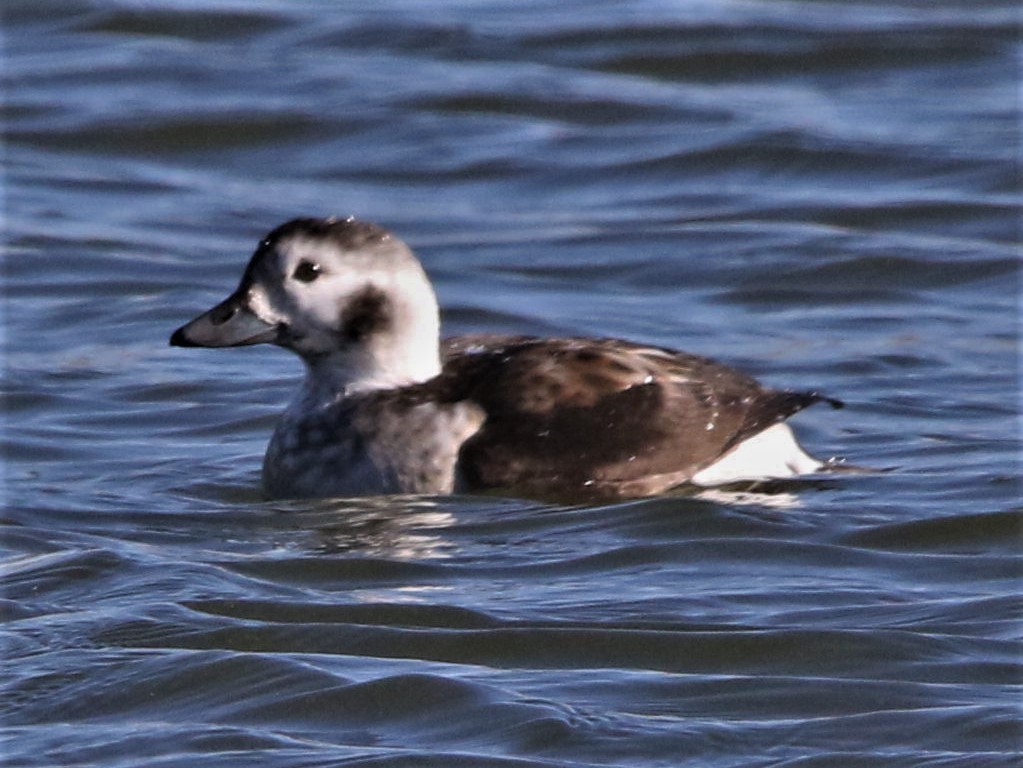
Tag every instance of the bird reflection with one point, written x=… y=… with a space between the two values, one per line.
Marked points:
x=397 y=528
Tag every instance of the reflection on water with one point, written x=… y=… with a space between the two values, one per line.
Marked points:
x=823 y=194
x=370 y=527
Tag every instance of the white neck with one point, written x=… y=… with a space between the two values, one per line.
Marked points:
x=387 y=362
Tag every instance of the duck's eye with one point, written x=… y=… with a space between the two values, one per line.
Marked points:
x=306 y=272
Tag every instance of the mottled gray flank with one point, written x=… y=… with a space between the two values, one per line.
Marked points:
x=367 y=444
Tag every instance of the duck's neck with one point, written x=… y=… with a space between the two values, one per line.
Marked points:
x=332 y=377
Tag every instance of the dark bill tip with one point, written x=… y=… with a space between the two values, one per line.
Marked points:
x=180 y=339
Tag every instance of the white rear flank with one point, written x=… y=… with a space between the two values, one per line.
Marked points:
x=771 y=454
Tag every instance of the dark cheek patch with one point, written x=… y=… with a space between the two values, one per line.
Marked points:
x=366 y=313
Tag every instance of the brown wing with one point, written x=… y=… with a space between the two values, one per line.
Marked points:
x=599 y=418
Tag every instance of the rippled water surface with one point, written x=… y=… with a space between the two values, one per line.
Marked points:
x=823 y=193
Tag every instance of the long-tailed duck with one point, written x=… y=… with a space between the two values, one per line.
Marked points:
x=388 y=408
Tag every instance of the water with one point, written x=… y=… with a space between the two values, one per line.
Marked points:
x=823 y=193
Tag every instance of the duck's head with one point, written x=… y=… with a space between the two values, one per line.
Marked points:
x=347 y=296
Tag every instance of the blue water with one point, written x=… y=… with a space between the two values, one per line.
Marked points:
x=825 y=194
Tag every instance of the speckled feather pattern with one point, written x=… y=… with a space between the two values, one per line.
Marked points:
x=548 y=417
x=369 y=443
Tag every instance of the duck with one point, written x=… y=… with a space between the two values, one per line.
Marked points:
x=388 y=407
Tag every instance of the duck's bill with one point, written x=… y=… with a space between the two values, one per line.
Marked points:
x=229 y=324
